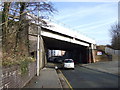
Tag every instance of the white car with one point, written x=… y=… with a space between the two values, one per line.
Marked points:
x=68 y=63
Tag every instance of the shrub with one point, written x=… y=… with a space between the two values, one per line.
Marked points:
x=23 y=62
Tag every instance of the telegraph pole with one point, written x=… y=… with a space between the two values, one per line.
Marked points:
x=38 y=44
x=38 y=53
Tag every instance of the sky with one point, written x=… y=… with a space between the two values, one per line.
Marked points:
x=92 y=19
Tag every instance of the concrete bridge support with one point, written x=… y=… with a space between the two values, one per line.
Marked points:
x=80 y=55
x=43 y=54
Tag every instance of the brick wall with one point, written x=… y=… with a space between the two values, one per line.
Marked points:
x=103 y=57
x=12 y=78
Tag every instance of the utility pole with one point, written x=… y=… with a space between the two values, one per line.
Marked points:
x=38 y=53
x=38 y=44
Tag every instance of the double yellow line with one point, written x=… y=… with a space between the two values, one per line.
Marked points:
x=66 y=80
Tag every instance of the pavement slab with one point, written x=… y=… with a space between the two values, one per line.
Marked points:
x=48 y=79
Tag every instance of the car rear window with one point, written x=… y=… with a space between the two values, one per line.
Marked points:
x=68 y=61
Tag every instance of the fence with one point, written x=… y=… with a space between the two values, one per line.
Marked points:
x=12 y=78
x=115 y=53
x=112 y=51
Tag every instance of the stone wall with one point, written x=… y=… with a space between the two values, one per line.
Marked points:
x=12 y=77
x=33 y=31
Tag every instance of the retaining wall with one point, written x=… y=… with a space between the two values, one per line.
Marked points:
x=12 y=77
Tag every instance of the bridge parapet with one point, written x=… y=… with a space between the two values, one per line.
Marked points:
x=59 y=29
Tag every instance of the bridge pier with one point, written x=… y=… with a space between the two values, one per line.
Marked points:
x=79 y=55
x=43 y=54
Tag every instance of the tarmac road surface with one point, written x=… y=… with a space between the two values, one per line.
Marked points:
x=83 y=77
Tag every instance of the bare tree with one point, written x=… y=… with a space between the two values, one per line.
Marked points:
x=17 y=41
x=5 y=31
x=115 y=34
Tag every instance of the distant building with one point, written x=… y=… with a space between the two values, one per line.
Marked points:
x=55 y=53
x=101 y=47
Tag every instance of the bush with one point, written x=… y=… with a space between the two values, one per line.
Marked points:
x=23 y=62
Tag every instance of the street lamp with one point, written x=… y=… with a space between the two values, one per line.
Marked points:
x=118 y=34
x=38 y=44
x=38 y=52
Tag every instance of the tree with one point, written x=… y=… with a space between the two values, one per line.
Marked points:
x=115 y=34
x=5 y=30
x=15 y=42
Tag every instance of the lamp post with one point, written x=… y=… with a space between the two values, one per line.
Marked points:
x=118 y=34
x=38 y=44
x=38 y=53
x=117 y=38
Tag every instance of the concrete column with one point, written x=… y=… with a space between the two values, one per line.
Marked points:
x=45 y=55
x=89 y=55
x=93 y=47
x=43 y=58
x=41 y=49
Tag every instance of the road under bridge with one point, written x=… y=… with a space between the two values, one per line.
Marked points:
x=52 y=36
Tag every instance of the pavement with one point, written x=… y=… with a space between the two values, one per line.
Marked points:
x=48 y=79
x=107 y=67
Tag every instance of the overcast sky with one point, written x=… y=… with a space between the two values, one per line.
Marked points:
x=93 y=19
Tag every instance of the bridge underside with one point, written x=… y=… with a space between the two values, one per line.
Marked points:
x=76 y=48
x=79 y=53
x=60 y=45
